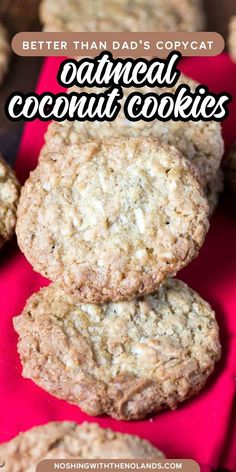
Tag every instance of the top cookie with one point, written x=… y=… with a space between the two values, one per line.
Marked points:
x=112 y=219
x=67 y=440
x=9 y=196
x=201 y=142
x=4 y=52
x=125 y=15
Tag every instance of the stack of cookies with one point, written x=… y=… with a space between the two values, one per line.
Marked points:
x=112 y=212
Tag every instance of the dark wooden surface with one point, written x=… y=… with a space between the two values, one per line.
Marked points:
x=23 y=72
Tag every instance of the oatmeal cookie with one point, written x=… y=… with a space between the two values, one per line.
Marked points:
x=124 y=15
x=201 y=142
x=126 y=359
x=4 y=53
x=67 y=440
x=112 y=219
x=9 y=196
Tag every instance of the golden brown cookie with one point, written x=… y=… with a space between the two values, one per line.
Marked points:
x=67 y=440
x=124 y=15
x=9 y=196
x=127 y=359
x=111 y=219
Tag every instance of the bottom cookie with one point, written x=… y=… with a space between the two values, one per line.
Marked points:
x=127 y=359
x=67 y=440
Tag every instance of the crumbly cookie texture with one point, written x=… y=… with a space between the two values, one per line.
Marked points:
x=214 y=189
x=4 y=52
x=9 y=196
x=112 y=219
x=125 y=15
x=126 y=359
x=67 y=440
x=230 y=169
x=232 y=38
x=201 y=142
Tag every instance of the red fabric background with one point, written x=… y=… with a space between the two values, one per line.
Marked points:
x=201 y=429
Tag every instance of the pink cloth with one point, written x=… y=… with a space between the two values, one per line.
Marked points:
x=201 y=429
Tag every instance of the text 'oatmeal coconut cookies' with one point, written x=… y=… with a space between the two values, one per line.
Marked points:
x=9 y=197
x=126 y=359
x=200 y=142
x=111 y=219
x=68 y=440
x=125 y=15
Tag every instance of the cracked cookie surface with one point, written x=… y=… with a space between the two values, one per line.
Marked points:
x=126 y=359
x=124 y=15
x=201 y=142
x=68 y=440
x=111 y=219
x=9 y=196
